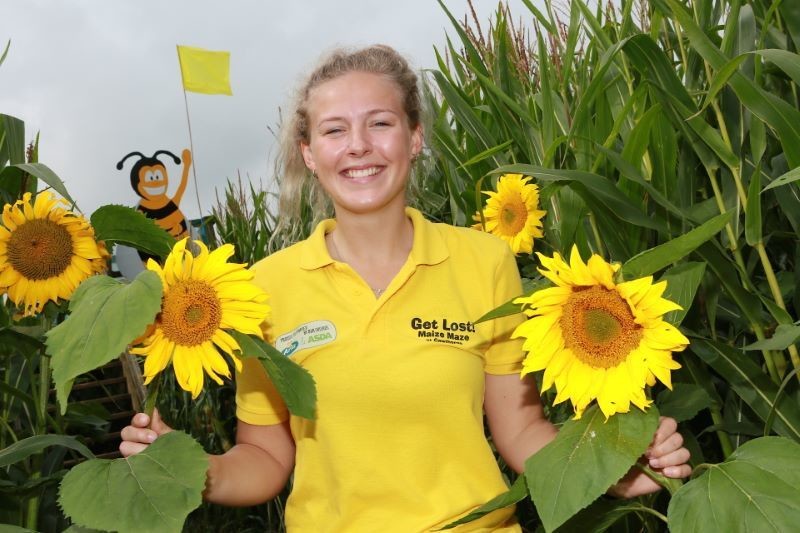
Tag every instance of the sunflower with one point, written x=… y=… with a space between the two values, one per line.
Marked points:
x=596 y=338
x=46 y=251
x=202 y=296
x=511 y=213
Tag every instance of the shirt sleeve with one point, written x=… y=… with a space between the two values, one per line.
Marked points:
x=505 y=355
x=257 y=399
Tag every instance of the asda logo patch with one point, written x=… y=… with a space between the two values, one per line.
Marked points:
x=309 y=335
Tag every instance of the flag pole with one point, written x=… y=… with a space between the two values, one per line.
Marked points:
x=191 y=142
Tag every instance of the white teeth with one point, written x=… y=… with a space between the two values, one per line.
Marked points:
x=362 y=173
x=156 y=191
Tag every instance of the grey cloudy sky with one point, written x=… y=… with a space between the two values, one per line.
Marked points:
x=99 y=79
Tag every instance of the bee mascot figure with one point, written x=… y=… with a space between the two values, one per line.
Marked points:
x=150 y=181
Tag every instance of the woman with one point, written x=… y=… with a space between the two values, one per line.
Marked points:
x=377 y=304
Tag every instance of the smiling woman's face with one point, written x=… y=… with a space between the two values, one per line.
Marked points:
x=360 y=142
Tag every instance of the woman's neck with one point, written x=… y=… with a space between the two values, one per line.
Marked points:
x=376 y=245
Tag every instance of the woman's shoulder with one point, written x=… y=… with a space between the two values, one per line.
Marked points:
x=471 y=241
x=281 y=261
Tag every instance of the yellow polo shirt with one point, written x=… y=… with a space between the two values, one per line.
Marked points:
x=398 y=443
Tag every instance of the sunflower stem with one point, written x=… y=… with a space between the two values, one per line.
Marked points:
x=152 y=395
x=671 y=484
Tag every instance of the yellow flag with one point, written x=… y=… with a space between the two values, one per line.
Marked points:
x=205 y=71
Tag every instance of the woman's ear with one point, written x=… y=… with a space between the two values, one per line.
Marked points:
x=308 y=156
x=417 y=140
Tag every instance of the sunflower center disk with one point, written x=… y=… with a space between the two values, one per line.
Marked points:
x=599 y=328
x=40 y=249
x=191 y=313
x=513 y=215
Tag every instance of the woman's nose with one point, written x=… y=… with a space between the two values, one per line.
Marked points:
x=359 y=142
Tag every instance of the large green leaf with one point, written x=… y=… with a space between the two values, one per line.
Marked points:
x=751 y=384
x=152 y=491
x=517 y=492
x=49 y=177
x=294 y=383
x=35 y=444
x=672 y=251
x=682 y=283
x=585 y=459
x=754 y=491
x=105 y=316
x=125 y=225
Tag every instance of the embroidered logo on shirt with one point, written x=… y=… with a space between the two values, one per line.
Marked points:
x=442 y=330
x=308 y=335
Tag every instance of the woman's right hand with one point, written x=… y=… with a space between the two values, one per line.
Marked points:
x=141 y=433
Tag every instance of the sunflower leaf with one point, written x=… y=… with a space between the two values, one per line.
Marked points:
x=585 y=459
x=152 y=491
x=294 y=383
x=757 y=485
x=125 y=225
x=105 y=316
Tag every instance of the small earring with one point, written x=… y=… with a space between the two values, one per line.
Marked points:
x=314 y=173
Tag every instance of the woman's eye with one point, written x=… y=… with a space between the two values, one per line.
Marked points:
x=332 y=131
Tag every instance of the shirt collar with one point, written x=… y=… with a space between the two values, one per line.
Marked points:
x=428 y=248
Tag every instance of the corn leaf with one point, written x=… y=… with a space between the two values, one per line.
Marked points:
x=24 y=448
x=789 y=177
x=655 y=259
x=49 y=177
x=751 y=384
x=683 y=281
x=517 y=492
x=785 y=335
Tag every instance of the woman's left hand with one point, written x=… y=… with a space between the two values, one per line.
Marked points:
x=666 y=455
